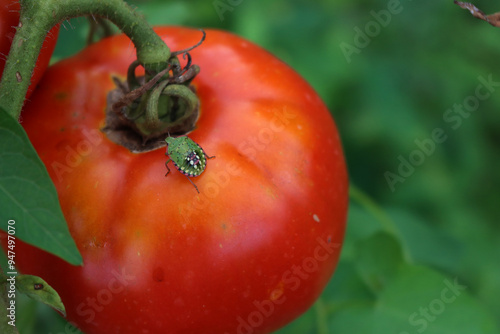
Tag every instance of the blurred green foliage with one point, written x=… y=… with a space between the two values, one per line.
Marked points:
x=436 y=230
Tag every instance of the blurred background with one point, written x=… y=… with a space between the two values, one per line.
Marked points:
x=414 y=87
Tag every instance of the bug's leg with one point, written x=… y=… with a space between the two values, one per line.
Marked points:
x=166 y=165
x=195 y=187
x=209 y=157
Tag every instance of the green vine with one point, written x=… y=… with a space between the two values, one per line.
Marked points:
x=38 y=17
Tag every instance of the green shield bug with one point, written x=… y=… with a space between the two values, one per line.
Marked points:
x=188 y=157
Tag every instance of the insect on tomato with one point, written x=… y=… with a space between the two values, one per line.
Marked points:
x=188 y=157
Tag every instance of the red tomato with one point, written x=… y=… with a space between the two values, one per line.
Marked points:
x=248 y=254
x=9 y=19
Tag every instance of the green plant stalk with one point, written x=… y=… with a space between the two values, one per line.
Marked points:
x=39 y=16
x=372 y=207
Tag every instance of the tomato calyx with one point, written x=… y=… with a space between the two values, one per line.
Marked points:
x=142 y=111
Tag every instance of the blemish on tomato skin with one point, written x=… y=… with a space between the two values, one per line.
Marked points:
x=278 y=291
x=96 y=243
x=158 y=274
x=61 y=96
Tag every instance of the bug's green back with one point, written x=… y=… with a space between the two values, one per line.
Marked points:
x=180 y=149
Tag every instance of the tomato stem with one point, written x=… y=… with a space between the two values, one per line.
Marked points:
x=140 y=114
x=172 y=116
x=38 y=16
x=143 y=111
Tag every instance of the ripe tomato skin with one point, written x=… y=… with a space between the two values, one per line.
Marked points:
x=248 y=254
x=9 y=19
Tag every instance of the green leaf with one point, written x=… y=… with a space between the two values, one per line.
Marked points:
x=26 y=314
x=37 y=289
x=416 y=300
x=305 y=324
x=378 y=259
x=420 y=299
x=402 y=298
x=28 y=199
x=440 y=251
x=355 y=319
x=346 y=287
x=360 y=224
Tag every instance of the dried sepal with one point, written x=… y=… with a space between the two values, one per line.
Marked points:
x=493 y=19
